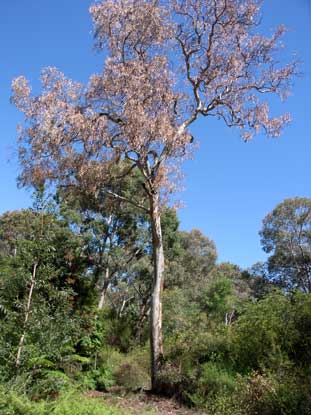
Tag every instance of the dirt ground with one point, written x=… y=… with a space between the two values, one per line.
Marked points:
x=144 y=403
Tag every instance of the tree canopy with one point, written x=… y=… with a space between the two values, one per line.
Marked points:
x=286 y=236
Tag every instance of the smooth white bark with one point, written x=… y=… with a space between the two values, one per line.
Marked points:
x=156 y=340
x=103 y=290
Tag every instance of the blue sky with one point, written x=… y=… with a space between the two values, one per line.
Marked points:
x=230 y=185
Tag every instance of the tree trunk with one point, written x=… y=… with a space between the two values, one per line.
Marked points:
x=103 y=290
x=157 y=287
x=27 y=313
x=141 y=319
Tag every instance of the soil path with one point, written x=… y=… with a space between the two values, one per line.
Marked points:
x=143 y=403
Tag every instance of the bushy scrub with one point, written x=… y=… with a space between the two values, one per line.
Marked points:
x=272 y=332
x=264 y=394
x=256 y=365
x=133 y=371
x=71 y=403
x=100 y=379
x=129 y=370
x=49 y=384
x=212 y=381
x=15 y=404
x=98 y=374
x=74 y=404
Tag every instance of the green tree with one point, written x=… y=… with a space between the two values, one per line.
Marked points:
x=274 y=332
x=225 y=292
x=37 y=277
x=191 y=259
x=114 y=233
x=286 y=236
x=258 y=281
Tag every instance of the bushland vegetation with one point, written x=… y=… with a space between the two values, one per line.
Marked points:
x=99 y=288
x=236 y=341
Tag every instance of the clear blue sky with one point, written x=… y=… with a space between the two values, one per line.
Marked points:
x=230 y=186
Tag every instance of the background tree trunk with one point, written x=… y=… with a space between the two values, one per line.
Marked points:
x=156 y=341
x=27 y=313
x=103 y=290
x=143 y=313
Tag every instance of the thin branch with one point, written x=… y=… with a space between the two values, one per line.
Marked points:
x=125 y=199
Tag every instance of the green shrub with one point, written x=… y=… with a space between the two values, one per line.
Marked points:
x=110 y=359
x=112 y=367
x=70 y=403
x=85 y=380
x=264 y=394
x=12 y=403
x=49 y=385
x=131 y=375
x=173 y=382
x=131 y=370
x=212 y=381
x=265 y=336
x=104 y=378
x=74 y=404
x=99 y=375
